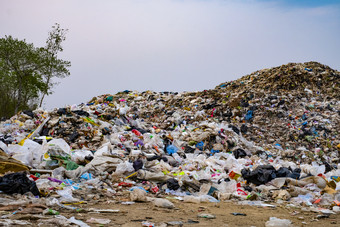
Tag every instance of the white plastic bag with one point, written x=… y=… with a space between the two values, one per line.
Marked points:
x=78 y=156
x=37 y=151
x=125 y=167
x=66 y=195
x=21 y=153
x=4 y=147
x=164 y=203
x=78 y=222
x=61 y=144
x=277 y=222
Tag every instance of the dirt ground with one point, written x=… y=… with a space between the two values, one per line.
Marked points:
x=138 y=213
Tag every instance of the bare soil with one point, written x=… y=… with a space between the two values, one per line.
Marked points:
x=139 y=213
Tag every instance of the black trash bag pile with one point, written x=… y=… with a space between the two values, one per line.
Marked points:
x=18 y=183
x=287 y=172
x=265 y=173
x=261 y=175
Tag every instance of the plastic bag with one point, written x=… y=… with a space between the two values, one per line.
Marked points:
x=21 y=153
x=102 y=150
x=37 y=151
x=80 y=156
x=125 y=167
x=66 y=195
x=138 y=195
x=277 y=222
x=4 y=147
x=239 y=153
x=191 y=199
x=56 y=148
x=158 y=202
x=78 y=222
x=63 y=146
x=171 y=149
x=18 y=183
x=208 y=198
x=172 y=184
x=101 y=221
x=261 y=175
x=137 y=165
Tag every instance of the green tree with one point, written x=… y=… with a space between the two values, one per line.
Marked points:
x=26 y=72
x=19 y=70
x=53 y=66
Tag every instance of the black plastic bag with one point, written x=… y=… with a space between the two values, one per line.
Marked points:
x=137 y=165
x=261 y=175
x=18 y=183
x=172 y=184
x=287 y=172
x=29 y=113
x=157 y=157
x=81 y=113
x=244 y=129
x=295 y=174
x=188 y=149
x=283 y=172
x=248 y=188
x=328 y=167
x=73 y=136
x=61 y=111
x=239 y=153
x=235 y=129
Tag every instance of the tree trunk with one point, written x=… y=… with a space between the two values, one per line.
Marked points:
x=48 y=79
x=42 y=98
x=18 y=101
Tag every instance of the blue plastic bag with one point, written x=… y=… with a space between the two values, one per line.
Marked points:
x=86 y=176
x=200 y=145
x=214 y=151
x=171 y=149
x=249 y=115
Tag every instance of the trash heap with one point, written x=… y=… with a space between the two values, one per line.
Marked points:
x=271 y=136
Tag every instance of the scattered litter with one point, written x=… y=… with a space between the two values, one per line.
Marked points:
x=208 y=216
x=277 y=222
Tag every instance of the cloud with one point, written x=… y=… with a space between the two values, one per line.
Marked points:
x=172 y=45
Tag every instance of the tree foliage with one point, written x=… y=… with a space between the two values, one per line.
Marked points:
x=26 y=72
x=53 y=66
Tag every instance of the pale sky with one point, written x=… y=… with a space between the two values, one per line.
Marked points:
x=173 y=45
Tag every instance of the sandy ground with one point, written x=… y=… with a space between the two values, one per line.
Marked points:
x=139 y=213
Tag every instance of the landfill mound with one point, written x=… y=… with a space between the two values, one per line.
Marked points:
x=272 y=135
x=291 y=77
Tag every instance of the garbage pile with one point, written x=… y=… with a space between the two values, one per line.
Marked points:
x=272 y=135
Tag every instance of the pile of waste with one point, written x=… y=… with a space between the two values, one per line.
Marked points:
x=271 y=136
